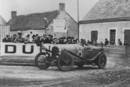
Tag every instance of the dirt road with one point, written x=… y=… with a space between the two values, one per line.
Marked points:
x=29 y=76
x=116 y=74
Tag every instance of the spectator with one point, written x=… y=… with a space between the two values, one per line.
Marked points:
x=106 y=42
x=38 y=41
x=7 y=39
x=26 y=40
x=30 y=37
x=88 y=42
x=13 y=38
x=83 y=42
x=55 y=41
x=19 y=38
x=101 y=43
x=119 y=42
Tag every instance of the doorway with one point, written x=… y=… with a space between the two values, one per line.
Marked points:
x=127 y=37
x=94 y=36
x=112 y=36
x=127 y=41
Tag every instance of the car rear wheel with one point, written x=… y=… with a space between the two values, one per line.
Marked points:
x=65 y=62
x=66 y=65
x=41 y=61
x=101 y=61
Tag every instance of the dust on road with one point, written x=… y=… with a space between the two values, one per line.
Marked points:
x=116 y=74
x=27 y=76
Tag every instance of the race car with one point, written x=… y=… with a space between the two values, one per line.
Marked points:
x=66 y=56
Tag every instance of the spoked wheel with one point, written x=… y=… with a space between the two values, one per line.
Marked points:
x=101 y=61
x=65 y=62
x=41 y=61
x=65 y=65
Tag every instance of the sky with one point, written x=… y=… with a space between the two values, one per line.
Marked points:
x=24 y=7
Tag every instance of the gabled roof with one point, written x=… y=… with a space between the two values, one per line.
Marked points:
x=2 y=21
x=34 y=21
x=109 y=9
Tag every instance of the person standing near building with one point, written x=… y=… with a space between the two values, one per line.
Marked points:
x=119 y=42
x=31 y=37
x=106 y=42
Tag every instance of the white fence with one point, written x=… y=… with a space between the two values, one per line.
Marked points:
x=21 y=49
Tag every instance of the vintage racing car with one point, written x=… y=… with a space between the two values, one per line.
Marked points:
x=66 y=56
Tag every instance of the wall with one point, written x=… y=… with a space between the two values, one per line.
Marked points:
x=21 y=49
x=18 y=49
x=71 y=25
x=104 y=30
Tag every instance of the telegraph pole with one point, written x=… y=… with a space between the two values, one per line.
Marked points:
x=78 y=17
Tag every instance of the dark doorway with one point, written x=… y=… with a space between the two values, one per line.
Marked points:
x=112 y=36
x=127 y=41
x=94 y=36
x=127 y=37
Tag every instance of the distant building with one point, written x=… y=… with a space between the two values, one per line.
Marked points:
x=58 y=23
x=107 y=19
x=4 y=28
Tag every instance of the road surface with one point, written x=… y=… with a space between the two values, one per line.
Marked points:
x=116 y=74
x=29 y=76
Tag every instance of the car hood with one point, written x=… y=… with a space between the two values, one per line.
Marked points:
x=75 y=48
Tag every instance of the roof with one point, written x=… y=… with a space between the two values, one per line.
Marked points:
x=36 y=21
x=2 y=21
x=105 y=20
x=109 y=9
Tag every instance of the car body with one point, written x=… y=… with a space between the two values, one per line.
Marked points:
x=65 y=56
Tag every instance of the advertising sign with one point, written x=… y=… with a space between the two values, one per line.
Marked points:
x=19 y=49
x=59 y=25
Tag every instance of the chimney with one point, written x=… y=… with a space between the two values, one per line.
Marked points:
x=62 y=6
x=13 y=14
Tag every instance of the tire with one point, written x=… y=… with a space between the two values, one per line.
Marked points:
x=101 y=61
x=64 y=66
x=64 y=62
x=41 y=61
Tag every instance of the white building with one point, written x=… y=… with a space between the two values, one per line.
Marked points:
x=57 y=23
x=107 y=19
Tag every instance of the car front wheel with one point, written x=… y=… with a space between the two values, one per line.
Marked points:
x=101 y=61
x=41 y=61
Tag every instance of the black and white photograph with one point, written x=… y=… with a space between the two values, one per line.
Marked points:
x=64 y=43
